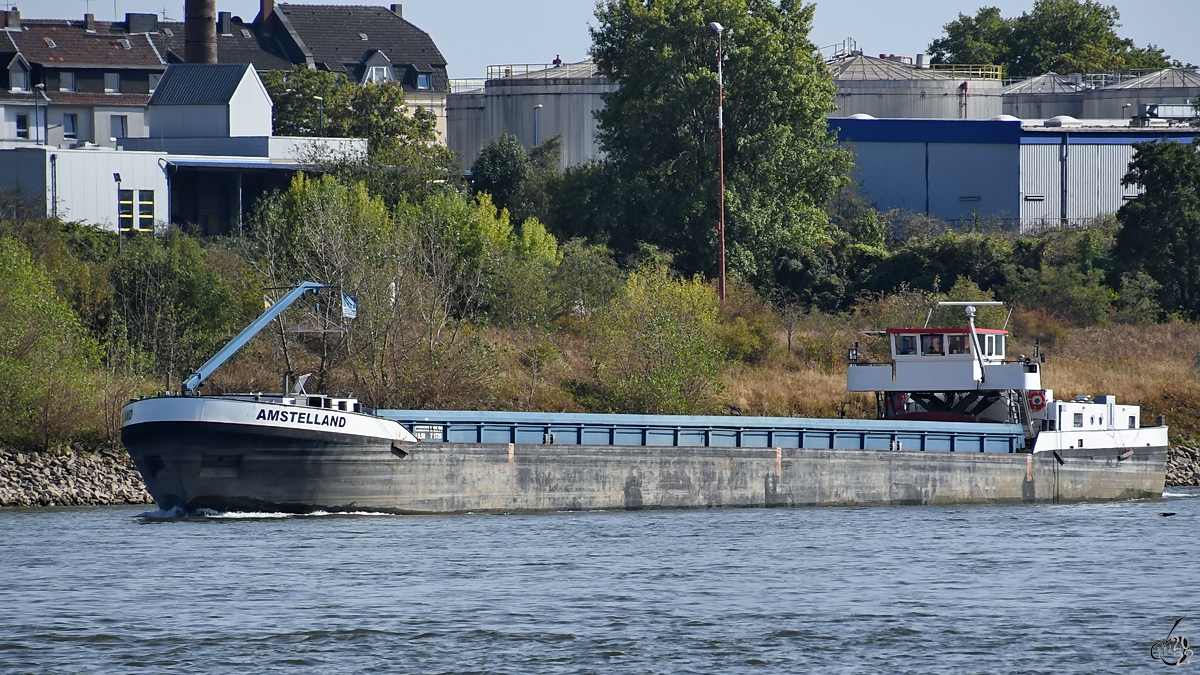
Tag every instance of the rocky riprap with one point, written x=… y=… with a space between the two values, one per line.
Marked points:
x=1183 y=466
x=70 y=478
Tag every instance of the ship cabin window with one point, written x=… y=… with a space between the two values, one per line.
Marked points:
x=1132 y=422
x=1079 y=419
x=999 y=345
x=906 y=344
x=958 y=344
x=932 y=345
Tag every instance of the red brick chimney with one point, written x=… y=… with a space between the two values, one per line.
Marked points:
x=200 y=31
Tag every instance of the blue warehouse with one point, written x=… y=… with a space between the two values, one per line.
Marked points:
x=1026 y=174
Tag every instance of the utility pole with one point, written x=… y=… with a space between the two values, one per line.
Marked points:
x=719 y=30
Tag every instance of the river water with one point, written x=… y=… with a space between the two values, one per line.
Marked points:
x=1020 y=589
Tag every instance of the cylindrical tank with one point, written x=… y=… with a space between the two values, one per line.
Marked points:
x=886 y=88
x=558 y=99
x=1169 y=85
x=200 y=31
x=1043 y=97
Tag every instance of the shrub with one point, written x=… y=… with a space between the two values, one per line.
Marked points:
x=653 y=349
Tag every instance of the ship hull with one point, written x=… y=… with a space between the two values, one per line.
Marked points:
x=244 y=469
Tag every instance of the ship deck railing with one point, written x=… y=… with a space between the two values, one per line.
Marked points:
x=707 y=431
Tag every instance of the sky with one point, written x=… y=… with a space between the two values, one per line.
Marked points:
x=475 y=33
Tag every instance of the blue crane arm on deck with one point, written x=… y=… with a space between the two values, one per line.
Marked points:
x=202 y=373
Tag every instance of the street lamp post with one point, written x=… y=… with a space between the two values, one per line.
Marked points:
x=536 y=108
x=321 y=105
x=719 y=30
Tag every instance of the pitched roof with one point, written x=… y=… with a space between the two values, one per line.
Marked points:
x=1050 y=83
x=243 y=45
x=862 y=67
x=1162 y=79
x=199 y=83
x=340 y=37
x=65 y=44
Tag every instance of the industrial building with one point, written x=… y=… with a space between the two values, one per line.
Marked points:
x=1024 y=174
x=209 y=157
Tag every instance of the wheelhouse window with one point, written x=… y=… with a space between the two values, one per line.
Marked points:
x=906 y=344
x=958 y=344
x=66 y=81
x=932 y=345
x=999 y=345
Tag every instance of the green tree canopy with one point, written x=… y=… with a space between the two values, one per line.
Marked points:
x=659 y=130
x=1161 y=228
x=500 y=169
x=405 y=160
x=1064 y=36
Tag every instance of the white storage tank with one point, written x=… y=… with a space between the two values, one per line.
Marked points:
x=1044 y=96
x=892 y=87
x=1167 y=86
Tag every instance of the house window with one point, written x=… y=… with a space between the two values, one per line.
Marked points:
x=66 y=81
x=155 y=78
x=117 y=126
x=69 y=123
x=424 y=81
x=112 y=83
x=18 y=79
x=22 y=126
x=125 y=210
x=145 y=210
x=379 y=74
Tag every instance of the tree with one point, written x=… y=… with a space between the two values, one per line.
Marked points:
x=1160 y=233
x=1064 y=36
x=659 y=130
x=47 y=359
x=404 y=160
x=653 y=347
x=501 y=169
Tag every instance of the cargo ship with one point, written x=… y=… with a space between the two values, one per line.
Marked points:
x=959 y=422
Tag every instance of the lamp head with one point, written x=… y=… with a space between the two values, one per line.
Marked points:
x=717 y=28
x=538 y=106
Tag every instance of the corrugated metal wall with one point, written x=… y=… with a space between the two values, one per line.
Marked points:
x=473 y=118
x=937 y=99
x=974 y=179
x=1040 y=186
x=953 y=181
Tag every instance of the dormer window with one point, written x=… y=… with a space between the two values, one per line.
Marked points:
x=18 y=79
x=424 y=81
x=112 y=83
x=66 y=81
x=379 y=74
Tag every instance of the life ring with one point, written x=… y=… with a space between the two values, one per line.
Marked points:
x=1037 y=400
